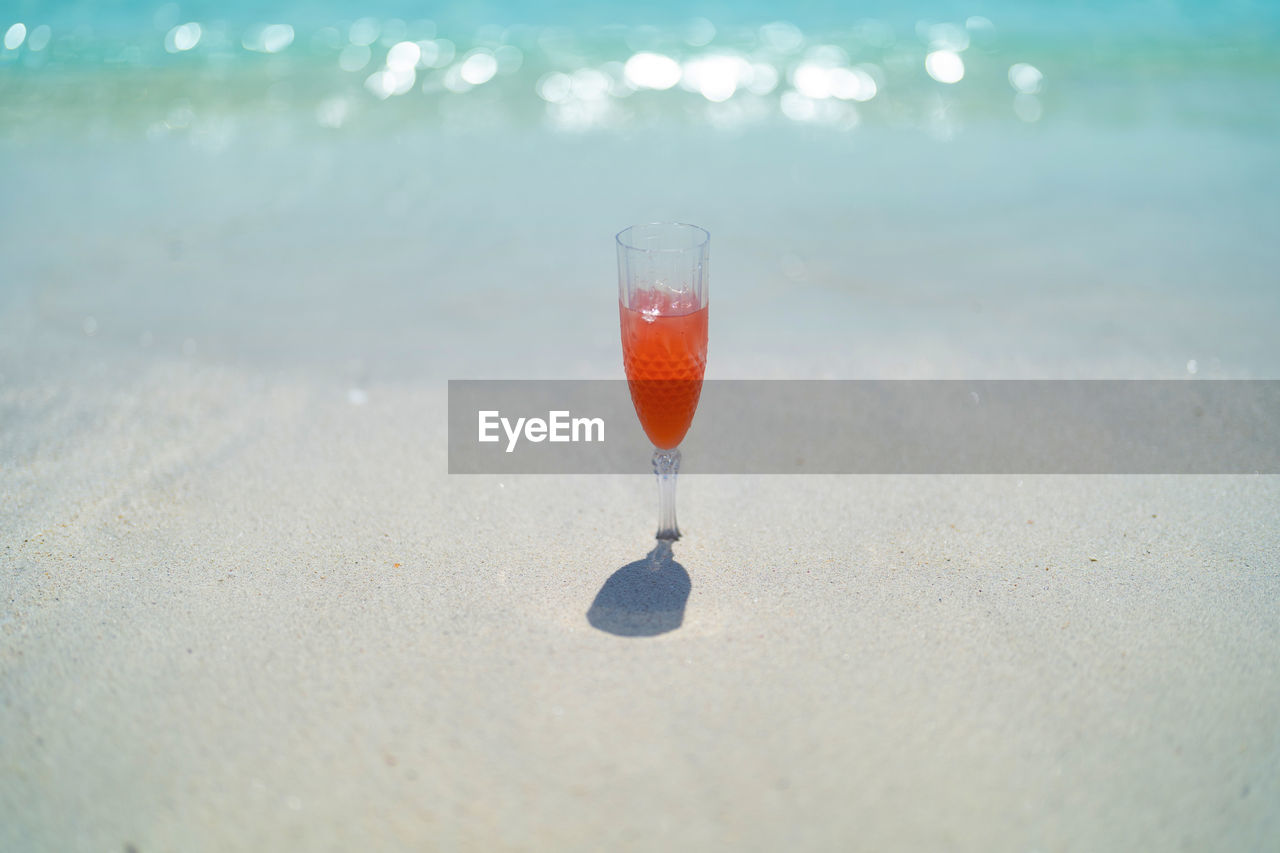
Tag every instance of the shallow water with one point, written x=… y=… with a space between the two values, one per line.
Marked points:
x=1093 y=197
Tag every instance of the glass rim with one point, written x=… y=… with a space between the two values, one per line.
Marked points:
x=631 y=247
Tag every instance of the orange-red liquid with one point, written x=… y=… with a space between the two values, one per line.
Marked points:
x=665 y=356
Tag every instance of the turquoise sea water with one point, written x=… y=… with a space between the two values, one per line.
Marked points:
x=991 y=189
x=198 y=68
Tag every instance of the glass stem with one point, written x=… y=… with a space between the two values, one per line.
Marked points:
x=666 y=464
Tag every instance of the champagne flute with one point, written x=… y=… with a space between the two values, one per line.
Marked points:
x=662 y=304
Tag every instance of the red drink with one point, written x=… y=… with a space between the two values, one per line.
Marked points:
x=664 y=350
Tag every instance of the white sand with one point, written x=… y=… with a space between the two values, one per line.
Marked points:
x=255 y=619
x=241 y=611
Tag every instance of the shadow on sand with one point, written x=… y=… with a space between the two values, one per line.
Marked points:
x=644 y=598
